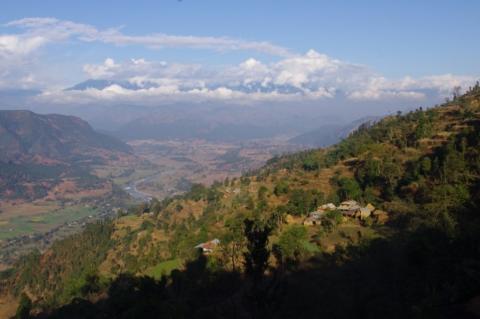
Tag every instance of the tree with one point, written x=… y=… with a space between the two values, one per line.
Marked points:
x=426 y=165
x=391 y=173
x=456 y=92
x=423 y=129
x=301 y=201
x=262 y=193
x=233 y=242
x=348 y=189
x=197 y=192
x=92 y=285
x=278 y=217
x=293 y=244
x=368 y=173
x=281 y=187
x=442 y=201
x=24 y=307
x=213 y=195
x=256 y=257
x=310 y=164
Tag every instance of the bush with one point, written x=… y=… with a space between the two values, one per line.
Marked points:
x=348 y=189
x=282 y=187
x=335 y=216
x=310 y=164
x=293 y=244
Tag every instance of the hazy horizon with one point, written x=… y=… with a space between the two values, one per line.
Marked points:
x=315 y=61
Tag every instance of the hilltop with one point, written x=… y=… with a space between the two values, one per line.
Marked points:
x=420 y=169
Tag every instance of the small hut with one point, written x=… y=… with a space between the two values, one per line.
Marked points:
x=209 y=246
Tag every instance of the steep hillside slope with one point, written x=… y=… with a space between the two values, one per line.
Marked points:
x=417 y=255
x=38 y=151
x=26 y=136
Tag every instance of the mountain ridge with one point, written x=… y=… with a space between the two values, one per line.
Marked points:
x=38 y=151
x=27 y=130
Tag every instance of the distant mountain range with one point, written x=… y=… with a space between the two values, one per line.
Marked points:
x=252 y=87
x=330 y=134
x=102 y=84
x=190 y=128
x=37 y=152
x=217 y=122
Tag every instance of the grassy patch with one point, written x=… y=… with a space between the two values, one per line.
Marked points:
x=349 y=232
x=27 y=225
x=10 y=210
x=163 y=268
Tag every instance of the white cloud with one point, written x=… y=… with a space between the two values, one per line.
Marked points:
x=11 y=45
x=307 y=77
x=294 y=77
x=104 y=70
x=58 y=30
x=444 y=83
x=17 y=49
x=166 y=94
x=378 y=88
x=16 y=60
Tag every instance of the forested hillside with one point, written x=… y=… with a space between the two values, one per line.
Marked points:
x=38 y=152
x=281 y=254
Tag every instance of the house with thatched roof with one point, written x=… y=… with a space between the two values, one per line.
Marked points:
x=209 y=246
x=328 y=206
x=314 y=218
x=349 y=205
x=365 y=212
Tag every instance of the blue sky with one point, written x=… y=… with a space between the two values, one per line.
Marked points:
x=394 y=37
x=390 y=41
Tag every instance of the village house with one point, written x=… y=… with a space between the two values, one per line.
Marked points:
x=209 y=246
x=349 y=208
x=314 y=218
x=349 y=205
x=365 y=212
x=329 y=206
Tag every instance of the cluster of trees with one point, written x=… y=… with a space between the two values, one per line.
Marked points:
x=58 y=277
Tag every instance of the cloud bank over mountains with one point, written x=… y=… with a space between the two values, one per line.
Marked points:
x=287 y=77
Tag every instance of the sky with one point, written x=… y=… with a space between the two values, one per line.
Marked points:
x=238 y=51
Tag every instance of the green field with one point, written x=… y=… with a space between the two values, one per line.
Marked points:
x=163 y=268
x=28 y=225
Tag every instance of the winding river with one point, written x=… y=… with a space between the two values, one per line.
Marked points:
x=133 y=191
